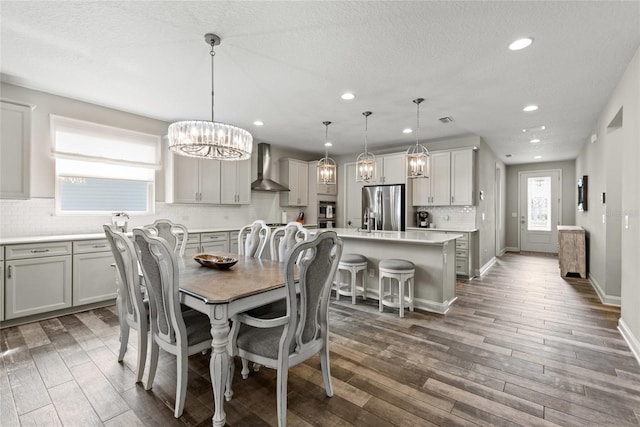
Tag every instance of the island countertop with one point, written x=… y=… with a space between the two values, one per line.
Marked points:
x=410 y=236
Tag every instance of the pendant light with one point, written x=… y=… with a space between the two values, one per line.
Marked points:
x=366 y=162
x=210 y=139
x=326 y=165
x=418 y=155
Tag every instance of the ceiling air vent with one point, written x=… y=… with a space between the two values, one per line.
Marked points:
x=446 y=119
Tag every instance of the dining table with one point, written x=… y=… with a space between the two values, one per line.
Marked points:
x=222 y=293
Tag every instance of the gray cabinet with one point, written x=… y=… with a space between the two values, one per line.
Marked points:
x=572 y=253
x=15 y=148
x=295 y=175
x=93 y=274
x=38 y=278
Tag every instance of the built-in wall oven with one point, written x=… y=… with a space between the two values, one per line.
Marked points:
x=326 y=214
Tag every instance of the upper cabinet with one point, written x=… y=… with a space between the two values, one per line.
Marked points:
x=391 y=169
x=15 y=145
x=295 y=175
x=191 y=180
x=450 y=181
x=235 y=182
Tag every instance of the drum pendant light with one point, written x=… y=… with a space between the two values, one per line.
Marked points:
x=210 y=139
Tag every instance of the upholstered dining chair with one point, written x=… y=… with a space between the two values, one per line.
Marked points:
x=181 y=333
x=283 y=239
x=285 y=341
x=131 y=304
x=170 y=231
x=253 y=238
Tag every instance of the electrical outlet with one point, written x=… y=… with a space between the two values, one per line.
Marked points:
x=372 y=272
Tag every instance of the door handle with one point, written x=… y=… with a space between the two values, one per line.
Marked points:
x=9 y=269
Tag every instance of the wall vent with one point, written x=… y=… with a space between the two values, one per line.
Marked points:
x=446 y=119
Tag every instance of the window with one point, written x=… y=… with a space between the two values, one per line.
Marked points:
x=102 y=169
x=539 y=204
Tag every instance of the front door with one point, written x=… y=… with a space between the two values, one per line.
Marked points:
x=539 y=210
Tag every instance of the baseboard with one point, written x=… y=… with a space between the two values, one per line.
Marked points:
x=52 y=314
x=634 y=342
x=512 y=249
x=604 y=298
x=487 y=266
x=502 y=252
x=432 y=306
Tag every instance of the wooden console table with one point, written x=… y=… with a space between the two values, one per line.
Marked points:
x=572 y=253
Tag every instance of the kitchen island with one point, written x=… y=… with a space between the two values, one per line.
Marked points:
x=434 y=255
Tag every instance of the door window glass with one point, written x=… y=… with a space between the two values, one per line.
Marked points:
x=539 y=204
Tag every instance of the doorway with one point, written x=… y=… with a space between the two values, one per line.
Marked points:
x=539 y=205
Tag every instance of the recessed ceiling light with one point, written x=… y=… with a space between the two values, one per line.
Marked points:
x=521 y=43
x=537 y=157
x=348 y=96
x=407 y=130
x=534 y=129
x=529 y=108
x=508 y=155
x=328 y=144
x=258 y=123
x=534 y=141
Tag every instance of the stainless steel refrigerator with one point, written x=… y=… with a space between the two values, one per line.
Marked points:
x=383 y=207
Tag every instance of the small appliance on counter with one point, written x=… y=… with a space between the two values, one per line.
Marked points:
x=120 y=221
x=422 y=219
x=326 y=214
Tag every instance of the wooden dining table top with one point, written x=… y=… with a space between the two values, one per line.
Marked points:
x=248 y=277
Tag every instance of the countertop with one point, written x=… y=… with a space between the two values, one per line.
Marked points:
x=448 y=229
x=92 y=236
x=410 y=236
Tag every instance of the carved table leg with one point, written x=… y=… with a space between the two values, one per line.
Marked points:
x=219 y=364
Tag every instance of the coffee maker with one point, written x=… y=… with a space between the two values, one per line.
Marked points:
x=422 y=219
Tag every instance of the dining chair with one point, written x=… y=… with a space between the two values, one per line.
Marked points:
x=253 y=238
x=131 y=305
x=282 y=342
x=170 y=231
x=283 y=239
x=181 y=333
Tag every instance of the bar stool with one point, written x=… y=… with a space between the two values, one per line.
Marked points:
x=403 y=272
x=352 y=264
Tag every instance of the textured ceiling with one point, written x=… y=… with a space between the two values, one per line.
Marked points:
x=287 y=63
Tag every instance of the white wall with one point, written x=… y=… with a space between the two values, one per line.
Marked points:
x=37 y=216
x=612 y=166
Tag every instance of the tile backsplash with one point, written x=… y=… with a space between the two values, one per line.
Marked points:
x=451 y=216
x=36 y=217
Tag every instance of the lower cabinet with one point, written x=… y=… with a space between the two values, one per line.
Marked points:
x=36 y=282
x=93 y=274
x=233 y=242
x=208 y=242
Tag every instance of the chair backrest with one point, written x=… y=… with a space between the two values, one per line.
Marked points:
x=283 y=239
x=160 y=268
x=253 y=238
x=129 y=289
x=316 y=268
x=170 y=231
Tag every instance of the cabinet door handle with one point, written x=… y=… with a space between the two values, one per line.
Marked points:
x=39 y=251
x=99 y=246
x=9 y=269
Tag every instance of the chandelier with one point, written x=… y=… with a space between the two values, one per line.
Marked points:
x=418 y=155
x=210 y=139
x=366 y=162
x=326 y=165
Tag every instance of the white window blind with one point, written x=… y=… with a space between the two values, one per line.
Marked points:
x=102 y=169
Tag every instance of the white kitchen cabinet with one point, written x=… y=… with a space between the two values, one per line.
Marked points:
x=390 y=169
x=193 y=244
x=235 y=182
x=38 y=278
x=15 y=147
x=450 y=182
x=93 y=275
x=233 y=242
x=295 y=175
x=191 y=180
x=462 y=171
x=214 y=242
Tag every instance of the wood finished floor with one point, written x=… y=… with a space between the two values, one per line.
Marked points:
x=520 y=346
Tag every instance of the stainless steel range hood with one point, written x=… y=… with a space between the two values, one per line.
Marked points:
x=264 y=183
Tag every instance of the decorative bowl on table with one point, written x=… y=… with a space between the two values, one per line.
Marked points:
x=215 y=261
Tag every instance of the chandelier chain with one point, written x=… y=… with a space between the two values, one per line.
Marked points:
x=213 y=54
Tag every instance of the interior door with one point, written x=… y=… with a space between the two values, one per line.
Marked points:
x=539 y=210
x=353 y=197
